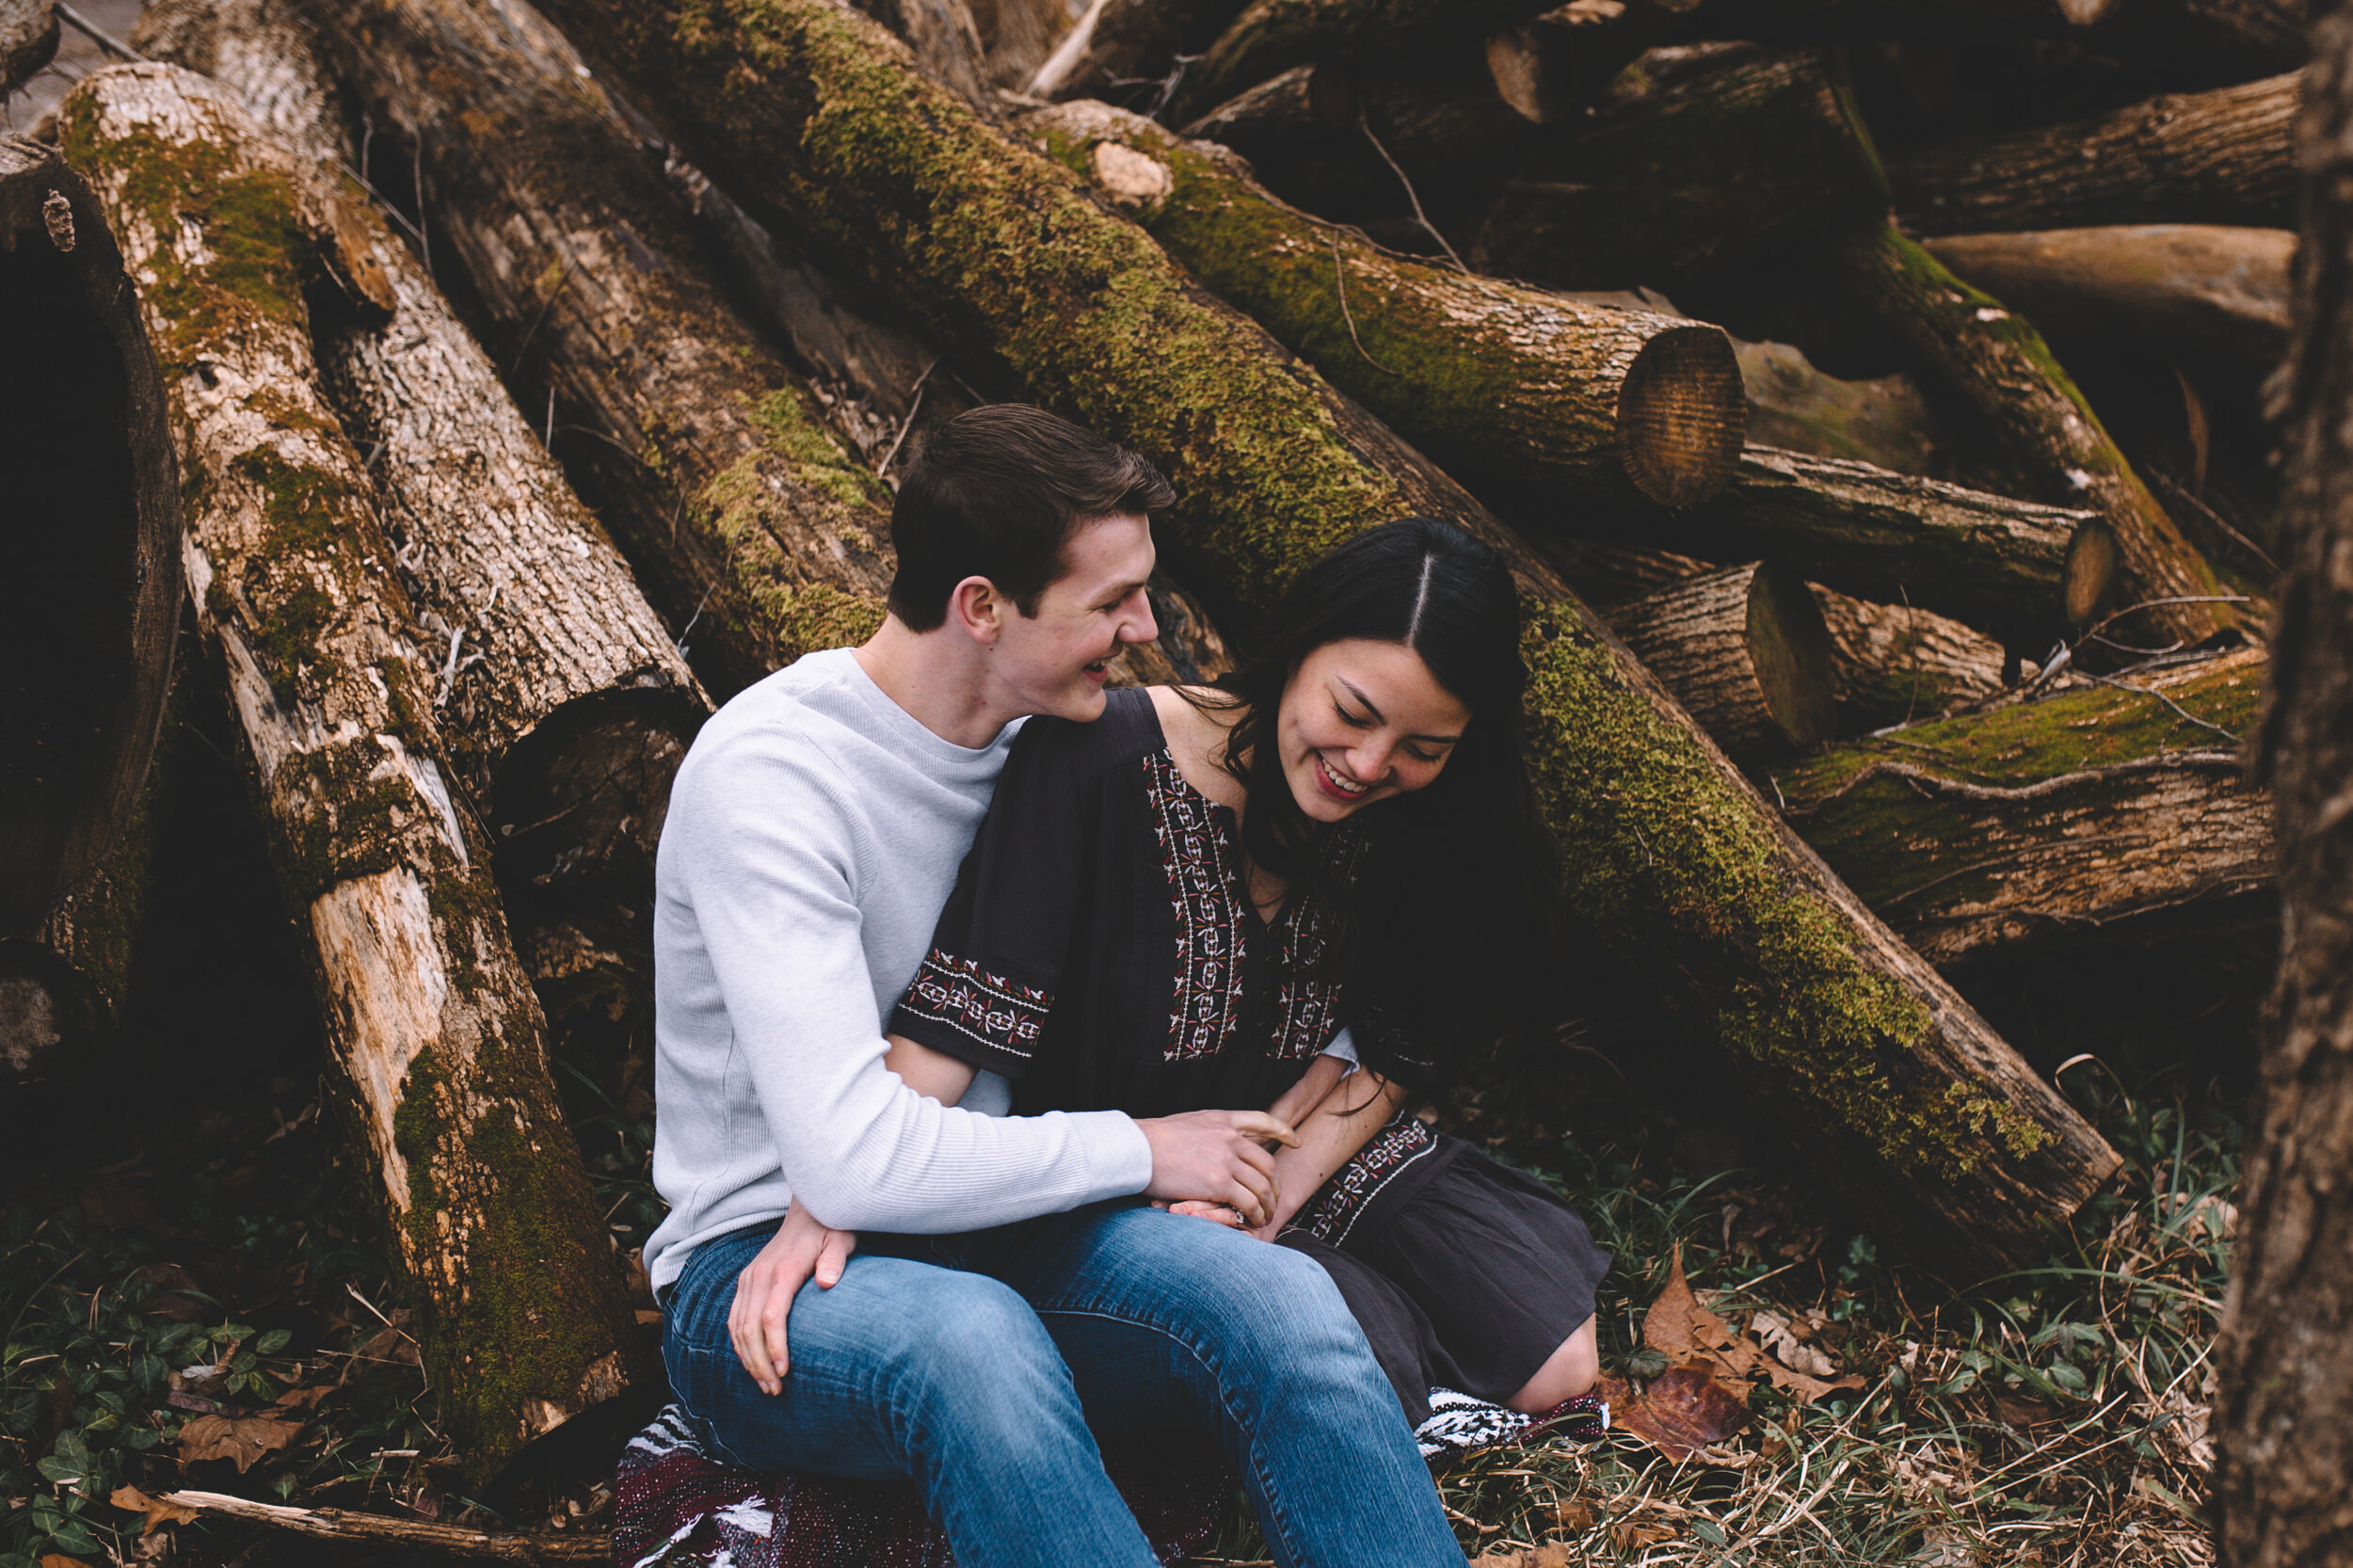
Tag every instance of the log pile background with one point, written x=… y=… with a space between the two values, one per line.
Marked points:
x=1875 y=406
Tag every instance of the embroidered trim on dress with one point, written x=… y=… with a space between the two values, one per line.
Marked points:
x=988 y=1008
x=1307 y=1003
x=1344 y=1200
x=1205 y=1008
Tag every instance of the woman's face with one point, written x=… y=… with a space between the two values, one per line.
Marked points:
x=1362 y=721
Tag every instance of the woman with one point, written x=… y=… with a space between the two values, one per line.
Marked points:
x=1310 y=889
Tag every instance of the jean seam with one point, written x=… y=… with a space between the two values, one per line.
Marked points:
x=1257 y=1468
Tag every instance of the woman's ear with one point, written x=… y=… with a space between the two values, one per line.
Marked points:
x=978 y=610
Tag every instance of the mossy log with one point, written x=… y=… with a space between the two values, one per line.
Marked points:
x=1699 y=161
x=526 y=1320
x=1891 y=664
x=1884 y=420
x=2223 y=156
x=2047 y=817
x=1272 y=36
x=91 y=532
x=2177 y=288
x=1906 y=1099
x=1518 y=390
x=1999 y=364
x=1746 y=653
x=2008 y=566
x=28 y=40
x=1125 y=52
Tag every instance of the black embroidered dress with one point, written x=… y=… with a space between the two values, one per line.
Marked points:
x=1101 y=952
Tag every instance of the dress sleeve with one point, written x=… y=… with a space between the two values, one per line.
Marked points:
x=1386 y=1046
x=1001 y=944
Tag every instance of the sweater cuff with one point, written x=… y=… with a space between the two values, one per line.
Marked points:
x=1118 y=1154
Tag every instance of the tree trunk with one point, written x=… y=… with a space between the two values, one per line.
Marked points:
x=1701 y=161
x=28 y=40
x=2003 y=566
x=1272 y=35
x=1125 y=52
x=1744 y=650
x=2223 y=156
x=1997 y=361
x=1518 y=388
x=88 y=603
x=2172 y=287
x=426 y=1007
x=2052 y=816
x=1862 y=1049
x=1892 y=663
x=2285 y=1418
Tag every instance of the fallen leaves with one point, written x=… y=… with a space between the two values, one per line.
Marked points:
x=1677 y=1325
x=1550 y=1555
x=1682 y=1410
x=241 y=1439
x=159 y=1510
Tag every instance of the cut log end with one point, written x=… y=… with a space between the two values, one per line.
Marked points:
x=2089 y=578
x=1747 y=653
x=1683 y=415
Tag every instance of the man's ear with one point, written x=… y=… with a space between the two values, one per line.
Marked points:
x=978 y=610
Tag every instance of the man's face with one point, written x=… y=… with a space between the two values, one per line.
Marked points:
x=1057 y=660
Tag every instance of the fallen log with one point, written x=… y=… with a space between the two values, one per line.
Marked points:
x=1606 y=574
x=946 y=42
x=1272 y=35
x=89 y=602
x=1884 y=420
x=416 y=1535
x=28 y=40
x=2173 y=287
x=1746 y=653
x=2223 y=156
x=1913 y=1106
x=2054 y=815
x=1523 y=390
x=1700 y=160
x=2198 y=42
x=1995 y=360
x=2008 y=567
x=1126 y=52
x=525 y=1321
x=1892 y=663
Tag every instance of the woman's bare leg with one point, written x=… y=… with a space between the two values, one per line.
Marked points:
x=1566 y=1373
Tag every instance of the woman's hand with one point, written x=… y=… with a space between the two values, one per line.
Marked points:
x=1217 y=1157
x=1216 y=1213
x=803 y=1246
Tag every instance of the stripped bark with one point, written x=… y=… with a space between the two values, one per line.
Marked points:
x=526 y=1324
x=2223 y=156
x=2056 y=815
x=2173 y=287
x=1519 y=390
x=1913 y=1106
x=89 y=602
x=1744 y=650
x=1892 y=663
x=1126 y=52
x=1996 y=360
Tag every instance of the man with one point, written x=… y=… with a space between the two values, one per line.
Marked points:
x=1012 y=1284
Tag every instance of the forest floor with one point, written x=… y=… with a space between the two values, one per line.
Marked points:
x=193 y=1295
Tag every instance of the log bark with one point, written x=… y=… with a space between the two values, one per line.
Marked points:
x=416 y=1535
x=424 y=1004
x=1272 y=36
x=2047 y=817
x=1861 y=1048
x=2285 y=1417
x=1746 y=653
x=2174 y=287
x=946 y=42
x=28 y=40
x=1884 y=420
x=1606 y=574
x=1018 y=36
x=2007 y=566
x=1996 y=360
x=1701 y=160
x=1125 y=52
x=1892 y=663
x=1519 y=390
x=2198 y=43
x=88 y=603
x=2223 y=156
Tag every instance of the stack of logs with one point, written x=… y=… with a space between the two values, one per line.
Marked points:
x=496 y=391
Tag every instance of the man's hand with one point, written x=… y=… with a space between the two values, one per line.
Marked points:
x=1216 y=1156
x=802 y=1246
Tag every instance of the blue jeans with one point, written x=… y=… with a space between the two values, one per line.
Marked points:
x=973 y=1365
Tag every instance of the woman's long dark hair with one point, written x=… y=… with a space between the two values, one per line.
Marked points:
x=1449 y=923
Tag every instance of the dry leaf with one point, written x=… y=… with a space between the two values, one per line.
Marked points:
x=1575 y=1516
x=1780 y=1336
x=1680 y=1326
x=1684 y=1410
x=1550 y=1555
x=240 y=1438
x=159 y=1512
x=1632 y=1538
x=58 y=1560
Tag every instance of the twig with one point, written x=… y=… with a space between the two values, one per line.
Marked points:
x=545 y=306
x=1411 y=195
x=335 y=1524
x=915 y=406
x=1339 y=276
x=2151 y=691
x=416 y=176
x=1938 y=784
x=97 y=35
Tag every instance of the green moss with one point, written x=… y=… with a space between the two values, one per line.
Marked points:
x=793 y=433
